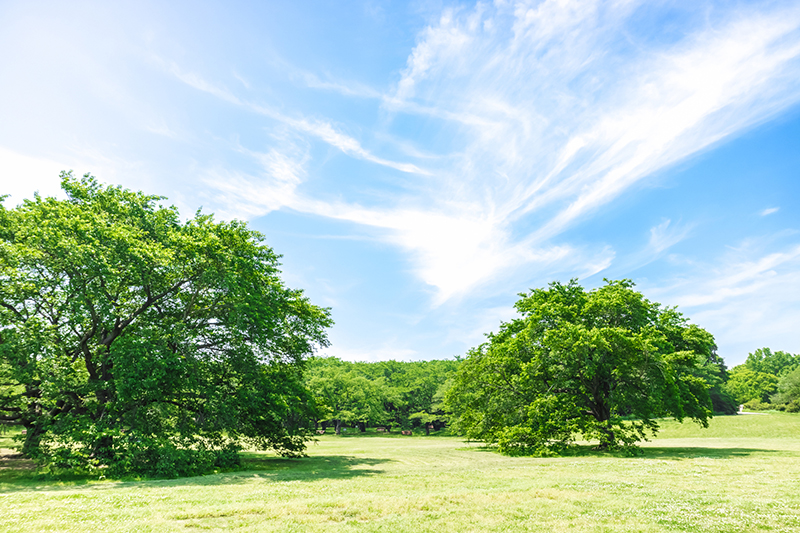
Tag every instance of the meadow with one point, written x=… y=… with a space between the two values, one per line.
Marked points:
x=740 y=474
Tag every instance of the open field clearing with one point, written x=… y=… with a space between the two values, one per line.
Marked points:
x=742 y=474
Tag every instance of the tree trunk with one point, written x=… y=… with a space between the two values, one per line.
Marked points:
x=33 y=435
x=338 y=426
x=104 y=447
x=607 y=440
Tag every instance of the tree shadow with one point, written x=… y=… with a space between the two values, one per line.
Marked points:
x=645 y=452
x=277 y=469
x=311 y=468
x=254 y=467
x=672 y=452
x=698 y=452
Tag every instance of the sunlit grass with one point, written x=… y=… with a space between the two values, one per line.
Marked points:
x=741 y=474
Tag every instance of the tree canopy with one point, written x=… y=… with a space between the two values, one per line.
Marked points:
x=789 y=391
x=131 y=339
x=777 y=363
x=756 y=382
x=602 y=364
x=386 y=393
x=345 y=397
x=746 y=384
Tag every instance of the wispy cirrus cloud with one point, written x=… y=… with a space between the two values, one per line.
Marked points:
x=740 y=276
x=541 y=114
x=247 y=196
x=320 y=129
x=666 y=235
x=558 y=115
x=344 y=88
x=747 y=296
x=579 y=119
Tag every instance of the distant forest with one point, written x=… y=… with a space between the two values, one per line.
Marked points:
x=391 y=395
x=396 y=395
x=766 y=380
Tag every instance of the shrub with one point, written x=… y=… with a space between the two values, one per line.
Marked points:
x=757 y=405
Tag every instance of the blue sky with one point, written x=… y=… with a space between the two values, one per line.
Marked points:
x=419 y=164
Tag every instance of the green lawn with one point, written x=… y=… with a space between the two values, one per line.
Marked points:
x=741 y=474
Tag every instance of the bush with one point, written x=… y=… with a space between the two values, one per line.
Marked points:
x=165 y=459
x=757 y=405
x=149 y=457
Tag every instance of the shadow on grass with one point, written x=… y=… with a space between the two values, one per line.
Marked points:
x=695 y=452
x=14 y=466
x=257 y=467
x=647 y=452
x=309 y=468
x=254 y=467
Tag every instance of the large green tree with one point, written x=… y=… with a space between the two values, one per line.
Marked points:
x=604 y=364
x=131 y=339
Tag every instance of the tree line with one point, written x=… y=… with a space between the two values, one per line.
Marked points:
x=387 y=394
x=767 y=380
x=134 y=341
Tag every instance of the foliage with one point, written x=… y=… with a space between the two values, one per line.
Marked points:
x=769 y=362
x=130 y=339
x=756 y=405
x=604 y=364
x=402 y=388
x=746 y=385
x=342 y=395
x=756 y=382
x=722 y=402
x=788 y=388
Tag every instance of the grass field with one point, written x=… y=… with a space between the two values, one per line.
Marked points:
x=741 y=474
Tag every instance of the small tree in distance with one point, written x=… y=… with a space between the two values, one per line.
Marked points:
x=602 y=364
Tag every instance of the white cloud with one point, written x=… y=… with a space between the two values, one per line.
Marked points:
x=747 y=298
x=22 y=175
x=444 y=43
x=666 y=235
x=342 y=87
x=742 y=277
x=245 y=196
x=452 y=251
x=549 y=115
x=559 y=118
x=769 y=211
x=350 y=146
x=320 y=129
